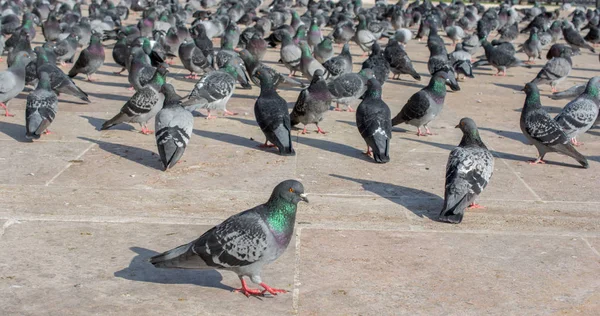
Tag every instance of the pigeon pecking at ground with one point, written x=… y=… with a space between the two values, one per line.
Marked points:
x=544 y=132
x=245 y=242
x=578 y=116
x=374 y=123
x=468 y=172
x=556 y=69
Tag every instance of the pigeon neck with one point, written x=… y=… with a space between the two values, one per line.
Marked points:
x=471 y=138
x=533 y=100
x=592 y=91
x=158 y=79
x=281 y=216
x=437 y=86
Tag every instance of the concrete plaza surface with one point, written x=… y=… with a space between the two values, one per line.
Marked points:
x=83 y=210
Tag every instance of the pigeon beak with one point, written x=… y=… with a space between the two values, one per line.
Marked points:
x=303 y=197
x=457 y=126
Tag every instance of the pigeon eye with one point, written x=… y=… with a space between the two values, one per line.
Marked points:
x=291 y=190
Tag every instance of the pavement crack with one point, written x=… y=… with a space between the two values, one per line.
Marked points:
x=591 y=247
x=7 y=224
x=296 y=290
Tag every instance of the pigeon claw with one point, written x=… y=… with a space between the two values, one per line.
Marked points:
x=271 y=290
x=575 y=142
x=536 y=161
x=6 y=113
x=229 y=113
x=319 y=130
x=475 y=205
x=247 y=291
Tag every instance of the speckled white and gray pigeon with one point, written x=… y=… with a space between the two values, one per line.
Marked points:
x=468 y=172
x=423 y=106
x=377 y=63
x=173 y=125
x=66 y=49
x=347 y=88
x=532 y=46
x=245 y=242
x=290 y=54
x=90 y=59
x=12 y=80
x=363 y=37
x=213 y=91
x=400 y=63
x=144 y=104
x=542 y=131
x=570 y=93
x=225 y=54
x=374 y=123
x=340 y=64
x=556 y=69
x=312 y=103
x=41 y=108
x=578 y=116
x=272 y=116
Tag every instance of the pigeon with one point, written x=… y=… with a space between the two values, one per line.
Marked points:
x=257 y=46
x=438 y=56
x=213 y=91
x=425 y=105
x=59 y=81
x=461 y=61
x=245 y=242
x=455 y=33
x=509 y=33
x=253 y=65
x=363 y=37
x=347 y=88
x=468 y=172
x=90 y=59
x=593 y=36
x=575 y=39
x=501 y=59
x=544 y=132
x=314 y=36
x=173 y=127
x=471 y=44
x=339 y=65
x=557 y=49
x=378 y=63
x=193 y=59
x=272 y=116
x=290 y=54
x=140 y=70
x=532 y=46
x=570 y=93
x=66 y=49
x=225 y=54
x=41 y=108
x=12 y=80
x=556 y=69
x=324 y=50
x=400 y=63
x=120 y=53
x=403 y=36
x=51 y=28
x=312 y=103
x=578 y=116
x=343 y=32
x=144 y=104
x=373 y=122
x=23 y=45
x=308 y=64
x=171 y=43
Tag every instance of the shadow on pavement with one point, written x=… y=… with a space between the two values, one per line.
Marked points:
x=14 y=131
x=138 y=155
x=97 y=123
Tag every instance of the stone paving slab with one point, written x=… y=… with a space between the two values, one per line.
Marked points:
x=384 y=273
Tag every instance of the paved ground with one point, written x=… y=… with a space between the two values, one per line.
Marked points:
x=82 y=210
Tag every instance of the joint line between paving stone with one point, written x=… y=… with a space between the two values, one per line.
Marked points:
x=591 y=247
x=70 y=164
x=9 y=222
x=517 y=175
x=296 y=290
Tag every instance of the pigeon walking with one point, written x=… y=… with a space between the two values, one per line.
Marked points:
x=272 y=116
x=532 y=46
x=347 y=88
x=377 y=63
x=173 y=126
x=339 y=65
x=400 y=63
x=213 y=91
x=544 y=132
x=363 y=37
x=290 y=54
x=12 y=80
x=66 y=49
x=578 y=116
x=501 y=59
x=90 y=59
x=245 y=242
x=374 y=124
x=575 y=39
x=556 y=69
x=41 y=108
x=468 y=172
x=312 y=103
x=425 y=105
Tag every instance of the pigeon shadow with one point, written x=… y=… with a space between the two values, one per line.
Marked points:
x=138 y=155
x=244 y=96
x=97 y=123
x=549 y=109
x=234 y=140
x=141 y=270
x=116 y=84
x=508 y=134
x=242 y=120
x=14 y=131
x=421 y=203
x=114 y=97
x=510 y=86
x=347 y=122
x=405 y=83
x=335 y=148
x=586 y=69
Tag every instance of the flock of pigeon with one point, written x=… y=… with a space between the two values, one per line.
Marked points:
x=247 y=241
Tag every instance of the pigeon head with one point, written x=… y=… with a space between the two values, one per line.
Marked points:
x=290 y=191
x=593 y=87
x=246 y=56
x=466 y=125
x=373 y=89
x=44 y=82
x=533 y=95
x=447 y=76
x=230 y=68
x=171 y=96
x=317 y=75
x=23 y=58
x=367 y=73
x=375 y=49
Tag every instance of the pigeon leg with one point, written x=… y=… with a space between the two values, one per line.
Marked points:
x=190 y=76
x=62 y=63
x=247 y=291
x=304 y=130
x=227 y=112
x=350 y=109
x=266 y=145
x=554 y=90
x=319 y=130
x=119 y=72
x=47 y=132
x=337 y=107
x=427 y=131
x=575 y=142
x=5 y=110
x=145 y=130
x=419 y=133
x=210 y=117
x=90 y=79
x=363 y=55
x=368 y=153
x=475 y=205
x=271 y=290
x=537 y=161
x=130 y=88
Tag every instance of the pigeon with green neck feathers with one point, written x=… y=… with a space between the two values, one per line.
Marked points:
x=423 y=106
x=308 y=64
x=312 y=103
x=144 y=104
x=314 y=36
x=245 y=242
x=468 y=172
x=272 y=116
x=59 y=81
x=324 y=50
x=193 y=59
x=532 y=46
x=90 y=59
x=339 y=65
x=542 y=131
x=579 y=115
x=374 y=123
x=12 y=80
x=213 y=91
x=41 y=108
x=225 y=54
x=173 y=125
x=140 y=72
x=290 y=54
x=363 y=37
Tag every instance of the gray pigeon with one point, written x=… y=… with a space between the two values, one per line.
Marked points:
x=570 y=93
x=59 y=81
x=378 y=63
x=347 y=88
x=575 y=39
x=41 y=108
x=468 y=172
x=144 y=104
x=12 y=80
x=363 y=37
x=373 y=122
x=245 y=242
x=314 y=36
x=253 y=65
x=308 y=64
x=193 y=59
x=339 y=65
x=501 y=59
x=90 y=59
x=312 y=103
x=544 y=132
x=173 y=127
x=290 y=54
x=400 y=63
x=324 y=50
x=66 y=49
x=532 y=46
x=213 y=91
x=455 y=33
x=272 y=116
x=425 y=105
x=556 y=69
x=578 y=116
